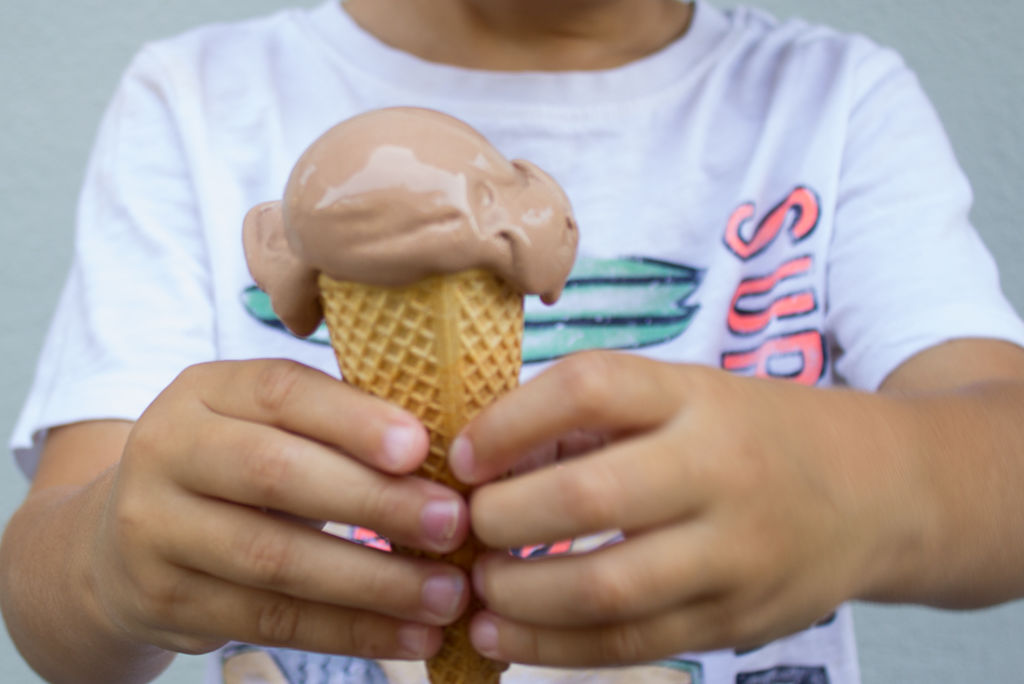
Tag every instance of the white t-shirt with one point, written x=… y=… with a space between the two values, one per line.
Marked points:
x=774 y=199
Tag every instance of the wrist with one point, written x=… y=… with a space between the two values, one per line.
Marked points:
x=954 y=494
x=873 y=476
x=61 y=613
x=899 y=503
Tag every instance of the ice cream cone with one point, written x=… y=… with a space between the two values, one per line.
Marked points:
x=442 y=348
x=374 y=208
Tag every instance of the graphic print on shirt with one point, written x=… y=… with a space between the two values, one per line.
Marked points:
x=785 y=675
x=245 y=664
x=783 y=296
x=626 y=303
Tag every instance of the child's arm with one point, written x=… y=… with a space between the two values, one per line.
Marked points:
x=751 y=508
x=139 y=540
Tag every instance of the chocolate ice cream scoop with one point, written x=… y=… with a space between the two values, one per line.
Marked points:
x=396 y=195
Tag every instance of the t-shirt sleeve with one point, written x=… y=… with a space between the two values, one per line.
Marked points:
x=136 y=306
x=907 y=270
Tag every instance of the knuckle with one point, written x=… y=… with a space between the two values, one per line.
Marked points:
x=714 y=568
x=267 y=556
x=727 y=626
x=132 y=529
x=623 y=644
x=378 y=588
x=587 y=379
x=161 y=601
x=364 y=636
x=275 y=384
x=732 y=482
x=130 y=518
x=267 y=468
x=194 y=372
x=535 y=646
x=188 y=644
x=377 y=507
x=142 y=439
x=148 y=439
x=746 y=481
x=770 y=554
x=729 y=622
x=278 y=620
x=539 y=649
x=590 y=498
x=192 y=379
x=607 y=593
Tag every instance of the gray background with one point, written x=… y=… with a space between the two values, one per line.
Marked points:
x=59 y=62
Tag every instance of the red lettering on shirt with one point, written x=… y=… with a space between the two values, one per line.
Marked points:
x=799 y=357
x=802 y=203
x=792 y=351
x=749 y=321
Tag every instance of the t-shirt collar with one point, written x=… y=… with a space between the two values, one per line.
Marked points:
x=404 y=71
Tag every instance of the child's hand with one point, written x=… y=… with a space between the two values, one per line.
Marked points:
x=206 y=536
x=750 y=508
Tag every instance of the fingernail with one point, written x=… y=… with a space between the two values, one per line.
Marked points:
x=460 y=458
x=400 y=442
x=484 y=635
x=442 y=595
x=440 y=520
x=413 y=638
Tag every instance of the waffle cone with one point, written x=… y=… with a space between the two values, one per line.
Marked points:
x=443 y=349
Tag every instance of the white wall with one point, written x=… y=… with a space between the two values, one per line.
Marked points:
x=59 y=63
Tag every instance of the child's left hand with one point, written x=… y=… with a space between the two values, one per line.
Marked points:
x=750 y=509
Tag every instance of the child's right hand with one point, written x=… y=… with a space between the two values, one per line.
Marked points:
x=205 y=537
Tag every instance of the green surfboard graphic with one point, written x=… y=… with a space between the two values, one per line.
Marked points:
x=625 y=303
x=690 y=667
x=612 y=304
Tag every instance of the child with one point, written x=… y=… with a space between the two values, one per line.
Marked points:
x=757 y=202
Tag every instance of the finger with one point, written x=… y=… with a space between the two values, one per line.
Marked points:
x=598 y=391
x=632 y=484
x=570 y=445
x=266 y=467
x=636 y=578
x=310 y=403
x=205 y=608
x=246 y=547
x=704 y=626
